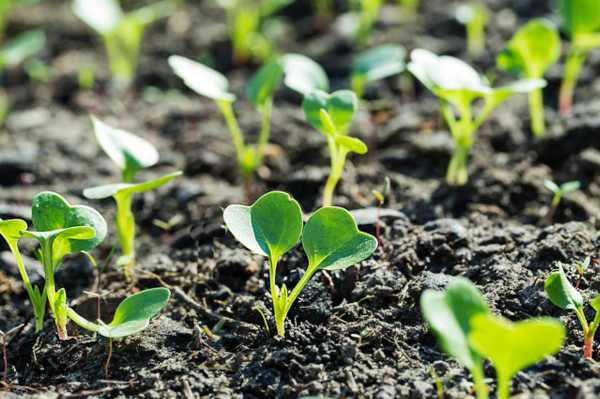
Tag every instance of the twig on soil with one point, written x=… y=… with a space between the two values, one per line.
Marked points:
x=5 y=338
x=108 y=357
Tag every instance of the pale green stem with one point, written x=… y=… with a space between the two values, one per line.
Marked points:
x=82 y=321
x=50 y=286
x=573 y=65
x=481 y=389
x=338 y=160
x=536 y=111
x=503 y=386
x=125 y=222
x=234 y=129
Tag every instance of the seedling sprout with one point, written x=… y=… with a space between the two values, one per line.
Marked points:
x=457 y=86
x=332 y=114
x=122 y=33
x=580 y=268
x=273 y=225
x=375 y=64
x=131 y=154
x=530 y=52
x=367 y=12
x=581 y=22
x=380 y=197
x=558 y=192
x=561 y=293
x=474 y=16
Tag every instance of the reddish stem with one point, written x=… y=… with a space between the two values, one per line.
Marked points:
x=107 y=363
x=588 y=347
x=565 y=102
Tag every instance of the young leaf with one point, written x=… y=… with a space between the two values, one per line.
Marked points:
x=570 y=186
x=270 y=227
x=203 y=80
x=339 y=105
x=51 y=212
x=352 y=144
x=134 y=313
x=111 y=190
x=512 y=347
x=22 y=47
x=532 y=50
x=561 y=292
x=265 y=82
x=127 y=150
x=12 y=229
x=550 y=185
x=303 y=75
x=377 y=63
x=332 y=240
x=102 y=15
x=449 y=313
x=580 y=17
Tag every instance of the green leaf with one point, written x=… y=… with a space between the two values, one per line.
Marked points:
x=512 y=347
x=111 y=190
x=550 y=185
x=532 y=50
x=102 y=15
x=270 y=227
x=379 y=62
x=339 y=105
x=332 y=240
x=265 y=82
x=561 y=292
x=570 y=186
x=128 y=151
x=352 y=144
x=11 y=229
x=580 y=17
x=449 y=313
x=134 y=313
x=303 y=75
x=53 y=215
x=596 y=303
x=22 y=47
x=203 y=80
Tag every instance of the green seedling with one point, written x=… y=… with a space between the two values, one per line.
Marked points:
x=332 y=114
x=561 y=293
x=581 y=22
x=558 y=192
x=530 y=52
x=247 y=21
x=121 y=32
x=474 y=16
x=131 y=154
x=367 y=12
x=6 y=8
x=376 y=64
x=458 y=85
x=380 y=197
x=260 y=90
x=580 y=268
x=303 y=75
x=512 y=347
x=272 y=226
x=449 y=313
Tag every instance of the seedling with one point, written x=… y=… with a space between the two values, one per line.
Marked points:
x=121 y=32
x=448 y=313
x=530 y=52
x=380 y=197
x=376 y=64
x=581 y=21
x=558 y=192
x=272 y=226
x=580 y=269
x=457 y=86
x=247 y=21
x=474 y=16
x=131 y=153
x=561 y=293
x=332 y=114
x=367 y=12
x=303 y=75
x=512 y=347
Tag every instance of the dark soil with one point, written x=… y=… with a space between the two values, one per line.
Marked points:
x=357 y=333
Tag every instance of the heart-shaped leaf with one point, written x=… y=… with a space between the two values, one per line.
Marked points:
x=134 y=313
x=561 y=292
x=303 y=75
x=82 y=227
x=270 y=227
x=513 y=346
x=352 y=144
x=111 y=190
x=340 y=106
x=11 y=229
x=127 y=150
x=449 y=313
x=265 y=82
x=332 y=240
x=203 y=80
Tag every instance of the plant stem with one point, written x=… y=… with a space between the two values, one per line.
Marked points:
x=481 y=390
x=108 y=357
x=234 y=129
x=81 y=321
x=125 y=222
x=338 y=160
x=536 y=111
x=503 y=387
x=458 y=174
x=588 y=346
x=50 y=287
x=573 y=65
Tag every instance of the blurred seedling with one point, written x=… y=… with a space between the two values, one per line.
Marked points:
x=380 y=198
x=530 y=52
x=581 y=22
x=122 y=33
x=561 y=293
x=131 y=154
x=273 y=225
x=458 y=85
x=580 y=268
x=375 y=64
x=367 y=12
x=474 y=16
x=558 y=192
